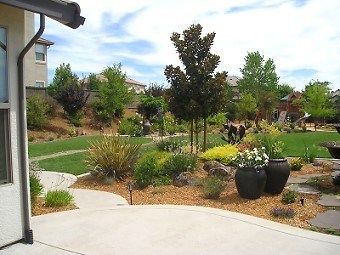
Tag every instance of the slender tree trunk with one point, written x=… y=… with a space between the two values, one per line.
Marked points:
x=192 y=136
x=196 y=129
x=205 y=135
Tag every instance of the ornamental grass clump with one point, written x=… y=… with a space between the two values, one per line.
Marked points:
x=56 y=198
x=112 y=156
x=222 y=154
x=256 y=158
x=213 y=187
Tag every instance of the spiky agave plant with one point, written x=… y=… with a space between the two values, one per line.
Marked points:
x=112 y=156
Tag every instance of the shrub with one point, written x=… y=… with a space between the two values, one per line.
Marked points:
x=50 y=138
x=148 y=168
x=36 y=188
x=223 y=154
x=161 y=181
x=296 y=164
x=31 y=138
x=283 y=213
x=213 y=187
x=131 y=126
x=72 y=131
x=217 y=120
x=289 y=197
x=180 y=162
x=55 y=198
x=112 y=156
x=37 y=109
x=169 y=145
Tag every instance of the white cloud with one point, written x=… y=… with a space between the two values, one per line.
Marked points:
x=306 y=37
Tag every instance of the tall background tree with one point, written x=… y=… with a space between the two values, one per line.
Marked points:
x=202 y=89
x=316 y=100
x=69 y=93
x=261 y=81
x=113 y=95
x=284 y=89
x=152 y=101
x=247 y=106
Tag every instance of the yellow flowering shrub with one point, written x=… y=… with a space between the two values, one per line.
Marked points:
x=223 y=154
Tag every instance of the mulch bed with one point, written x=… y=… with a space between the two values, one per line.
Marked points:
x=192 y=195
x=39 y=208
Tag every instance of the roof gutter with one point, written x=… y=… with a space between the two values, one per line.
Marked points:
x=23 y=132
x=63 y=11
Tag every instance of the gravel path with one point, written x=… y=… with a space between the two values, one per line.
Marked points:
x=58 y=154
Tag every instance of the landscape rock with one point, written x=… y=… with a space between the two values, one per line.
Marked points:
x=328 y=219
x=212 y=164
x=225 y=172
x=183 y=179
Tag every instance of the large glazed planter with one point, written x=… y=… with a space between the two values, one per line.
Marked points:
x=277 y=172
x=333 y=148
x=250 y=182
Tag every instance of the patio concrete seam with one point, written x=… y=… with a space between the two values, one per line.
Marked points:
x=223 y=216
x=59 y=248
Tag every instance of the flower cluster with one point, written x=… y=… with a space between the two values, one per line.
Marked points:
x=256 y=158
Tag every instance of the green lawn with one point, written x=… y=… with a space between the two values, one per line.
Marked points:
x=295 y=143
x=73 y=164
x=77 y=143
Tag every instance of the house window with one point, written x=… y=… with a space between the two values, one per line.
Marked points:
x=5 y=176
x=4 y=147
x=3 y=67
x=40 y=84
x=40 y=52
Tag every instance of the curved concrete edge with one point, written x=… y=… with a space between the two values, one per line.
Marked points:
x=169 y=229
x=214 y=212
x=93 y=199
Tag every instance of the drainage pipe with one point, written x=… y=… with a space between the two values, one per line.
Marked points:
x=22 y=133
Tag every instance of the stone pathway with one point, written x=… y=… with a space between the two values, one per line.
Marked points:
x=58 y=154
x=329 y=219
x=329 y=200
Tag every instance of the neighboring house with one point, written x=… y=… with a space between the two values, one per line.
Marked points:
x=287 y=104
x=14 y=44
x=35 y=63
x=232 y=80
x=137 y=86
x=335 y=98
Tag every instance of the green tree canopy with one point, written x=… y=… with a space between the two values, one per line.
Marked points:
x=259 y=79
x=198 y=90
x=316 y=100
x=113 y=95
x=69 y=93
x=284 y=89
x=93 y=82
x=247 y=106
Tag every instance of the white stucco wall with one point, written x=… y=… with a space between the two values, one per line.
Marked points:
x=11 y=220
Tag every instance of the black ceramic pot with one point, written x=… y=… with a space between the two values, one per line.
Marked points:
x=250 y=182
x=277 y=172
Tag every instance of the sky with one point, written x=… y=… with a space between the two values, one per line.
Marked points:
x=301 y=36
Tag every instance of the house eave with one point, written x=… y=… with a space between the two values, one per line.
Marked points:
x=65 y=12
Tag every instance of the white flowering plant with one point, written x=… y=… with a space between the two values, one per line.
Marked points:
x=256 y=158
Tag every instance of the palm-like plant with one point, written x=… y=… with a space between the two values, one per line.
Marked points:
x=112 y=156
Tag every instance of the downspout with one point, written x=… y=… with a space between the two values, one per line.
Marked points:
x=23 y=131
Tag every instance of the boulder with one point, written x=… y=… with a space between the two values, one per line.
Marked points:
x=183 y=179
x=225 y=172
x=211 y=164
